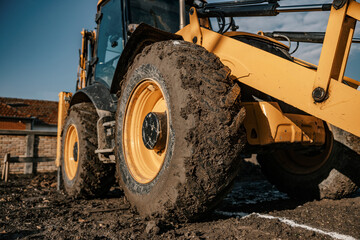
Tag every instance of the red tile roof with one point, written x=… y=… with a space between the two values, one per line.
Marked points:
x=41 y=110
x=8 y=111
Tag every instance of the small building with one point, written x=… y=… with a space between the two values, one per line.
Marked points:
x=27 y=114
x=28 y=128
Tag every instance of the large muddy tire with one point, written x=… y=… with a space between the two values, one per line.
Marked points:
x=331 y=172
x=193 y=166
x=83 y=174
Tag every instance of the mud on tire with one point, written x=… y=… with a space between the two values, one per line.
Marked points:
x=205 y=137
x=337 y=177
x=92 y=177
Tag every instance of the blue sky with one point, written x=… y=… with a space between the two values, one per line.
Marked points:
x=40 y=41
x=39 y=46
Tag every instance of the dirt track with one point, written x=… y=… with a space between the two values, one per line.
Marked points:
x=31 y=208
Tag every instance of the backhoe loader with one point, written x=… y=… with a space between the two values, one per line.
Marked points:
x=171 y=95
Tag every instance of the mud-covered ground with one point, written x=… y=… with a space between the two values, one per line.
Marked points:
x=31 y=208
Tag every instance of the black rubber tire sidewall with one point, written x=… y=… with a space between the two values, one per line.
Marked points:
x=334 y=179
x=141 y=73
x=69 y=184
x=177 y=190
x=93 y=178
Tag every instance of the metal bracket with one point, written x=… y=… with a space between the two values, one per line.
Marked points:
x=337 y=4
x=196 y=34
x=98 y=17
x=337 y=41
x=106 y=143
x=265 y=124
x=94 y=61
x=108 y=150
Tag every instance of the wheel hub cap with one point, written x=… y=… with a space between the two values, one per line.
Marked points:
x=154 y=131
x=75 y=152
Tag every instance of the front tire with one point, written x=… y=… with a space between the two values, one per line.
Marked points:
x=192 y=172
x=83 y=174
x=332 y=172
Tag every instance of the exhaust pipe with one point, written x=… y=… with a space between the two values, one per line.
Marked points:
x=182 y=13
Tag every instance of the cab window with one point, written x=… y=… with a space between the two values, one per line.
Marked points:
x=162 y=14
x=110 y=42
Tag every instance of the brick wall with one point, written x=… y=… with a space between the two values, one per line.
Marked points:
x=13 y=144
x=45 y=146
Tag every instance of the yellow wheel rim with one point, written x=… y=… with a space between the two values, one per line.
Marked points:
x=144 y=164
x=71 y=152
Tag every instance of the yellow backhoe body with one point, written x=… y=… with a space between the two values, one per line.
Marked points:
x=175 y=119
x=294 y=82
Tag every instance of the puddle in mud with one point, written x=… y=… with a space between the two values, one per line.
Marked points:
x=250 y=192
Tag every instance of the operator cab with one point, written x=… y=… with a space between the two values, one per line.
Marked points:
x=116 y=20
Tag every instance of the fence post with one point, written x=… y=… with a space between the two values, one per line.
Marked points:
x=30 y=168
x=5 y=170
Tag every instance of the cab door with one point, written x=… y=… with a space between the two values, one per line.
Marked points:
x=110 y=42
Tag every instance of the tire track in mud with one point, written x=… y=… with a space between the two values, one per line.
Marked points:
x=289 y=222
x=253 y=202
x=297 y=225
x=32 y=208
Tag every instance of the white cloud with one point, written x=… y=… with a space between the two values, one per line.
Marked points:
x=309 y=52
x=309 y=22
